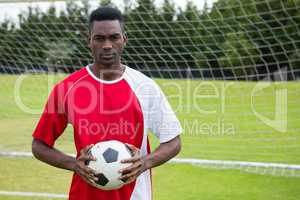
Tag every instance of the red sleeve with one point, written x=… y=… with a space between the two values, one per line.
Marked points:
x=53 y=120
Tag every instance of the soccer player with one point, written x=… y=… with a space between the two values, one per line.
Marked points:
x=104 y=101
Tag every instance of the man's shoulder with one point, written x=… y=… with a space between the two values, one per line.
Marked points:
x=141 y=83
x=75 y=76
x=69 y=81
x=137 y=76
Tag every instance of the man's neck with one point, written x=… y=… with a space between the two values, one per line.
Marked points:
x=108 y=73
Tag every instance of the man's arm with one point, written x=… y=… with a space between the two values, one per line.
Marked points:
x=61 y=160
x=163 y=153
x=52 y=156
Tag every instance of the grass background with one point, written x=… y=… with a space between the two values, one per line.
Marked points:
x=182 y=182
x=251 y=140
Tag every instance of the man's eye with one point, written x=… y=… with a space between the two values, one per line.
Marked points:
x=99 y=39
x=115 y=37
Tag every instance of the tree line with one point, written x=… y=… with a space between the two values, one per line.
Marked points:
x=234 y=39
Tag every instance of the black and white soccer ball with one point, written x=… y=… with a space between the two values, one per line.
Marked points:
x=107 y=166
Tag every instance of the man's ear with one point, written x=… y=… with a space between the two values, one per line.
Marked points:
x=88 y=40
x=125 y=37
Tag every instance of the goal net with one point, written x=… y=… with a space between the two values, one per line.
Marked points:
x=228 y=67
x=238 y=40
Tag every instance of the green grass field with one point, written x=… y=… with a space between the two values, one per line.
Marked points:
x=219 y=126
x=182 y=182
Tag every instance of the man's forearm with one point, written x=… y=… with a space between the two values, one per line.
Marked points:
x=52 y=156
x=163 y=153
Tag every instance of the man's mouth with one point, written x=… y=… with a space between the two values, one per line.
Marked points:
x=107 y=56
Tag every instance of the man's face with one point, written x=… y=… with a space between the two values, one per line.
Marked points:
x=107 y=42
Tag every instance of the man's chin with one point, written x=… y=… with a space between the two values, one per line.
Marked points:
x=111 y=63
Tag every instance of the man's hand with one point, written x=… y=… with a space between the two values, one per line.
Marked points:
x=80 y=167
x=163 y=153
x=129 y=174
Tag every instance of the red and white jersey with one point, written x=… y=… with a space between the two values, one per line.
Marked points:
x=125 y=109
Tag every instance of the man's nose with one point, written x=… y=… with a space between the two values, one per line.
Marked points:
x=107 y=45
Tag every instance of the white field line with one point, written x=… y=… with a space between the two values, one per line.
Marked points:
x=223 y=163
x=33 y=194
x=15 y=154
x=234 y=164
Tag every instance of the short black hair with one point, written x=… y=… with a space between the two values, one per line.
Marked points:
x=106 y=13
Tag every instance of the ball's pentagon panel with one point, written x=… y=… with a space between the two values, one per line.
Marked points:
x=110 y=155
x=102 y=180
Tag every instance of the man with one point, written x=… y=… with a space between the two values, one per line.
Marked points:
x=108 y=101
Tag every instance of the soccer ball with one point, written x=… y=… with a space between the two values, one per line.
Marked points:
x=108 y=155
